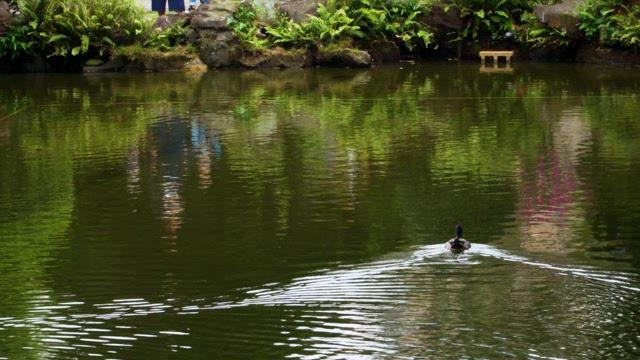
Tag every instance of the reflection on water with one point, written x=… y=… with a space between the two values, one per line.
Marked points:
x=285 y=214
x=551 y=193
x=372 y=308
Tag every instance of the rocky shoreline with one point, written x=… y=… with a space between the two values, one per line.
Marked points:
x=214 y=45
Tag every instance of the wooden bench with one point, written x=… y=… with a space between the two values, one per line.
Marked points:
x=508 y=54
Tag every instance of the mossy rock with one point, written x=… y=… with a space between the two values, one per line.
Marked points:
x=6 y=18
x=384 y=52
x=277 y=58
x=94 y=62
x=342 y=57
x=150 y=60
x=563 y=16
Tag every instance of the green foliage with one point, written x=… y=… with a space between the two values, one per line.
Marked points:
x=393 y=19
x=336 y=22
x=167 y=39
x=87 y=28
x=18 y=40
x=628 y=32
x=493 y=17
x=288 y=33
x=246 y=27
x=596 y=19
x=79 y=26
x=331 y=25
x=537 y=35
x=611 y=23
x=74 y=27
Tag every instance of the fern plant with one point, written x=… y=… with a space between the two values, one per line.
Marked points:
x=74 y=27
x=395 y=20
x=627 y=33
x=18 y=40
x=245 y=26
x=611 y=23
x=288 y=33
x=168 y=38
x=330 y=26
x=537 y=35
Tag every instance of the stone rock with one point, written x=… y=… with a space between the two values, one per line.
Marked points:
x=113 y=65
x=220 y=53
x=34 y=64
x=277 y=58
x=148 y=61
x=195 y=66
x=342 y=57
x=384 y=51
x=167 y=62
x=5 y=16
x=217 y=44
x=438 y=18
x=94 y=62
x=593 y=54
x=215 y=15
x=561 y=16
x=298 y=10
x=165 y=21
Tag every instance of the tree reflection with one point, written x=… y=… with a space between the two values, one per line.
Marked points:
x=181 y=187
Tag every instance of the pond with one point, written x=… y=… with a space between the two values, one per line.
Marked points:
x=302 y=213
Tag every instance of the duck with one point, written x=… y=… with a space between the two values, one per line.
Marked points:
x=458 y=244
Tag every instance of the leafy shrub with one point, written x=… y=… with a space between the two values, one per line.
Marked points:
x=611 y=23
x=80 y=26
x=331 y=25
x=339 y=22
x=245 y=26
x=167 y=39
x=596 y=20
x=393 y=20
x=537 y=35
x=493 y=17
x=18 y=41
x=628 y=32
x=287 y=32
x=74 y=27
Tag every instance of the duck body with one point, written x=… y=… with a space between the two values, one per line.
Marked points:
x=458 y=244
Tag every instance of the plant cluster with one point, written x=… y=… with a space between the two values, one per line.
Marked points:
x=166 y=39
x=333 y=24
x=531 y=32
x=84 y=28
x=611 y=23
x=73 y=27
x=247 y=28
x=400 y=21
x=395 y=20
x=338 y=22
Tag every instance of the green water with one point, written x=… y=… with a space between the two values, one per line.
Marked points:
x=302 y=214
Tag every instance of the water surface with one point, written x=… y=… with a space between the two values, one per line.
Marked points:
x=302 y=213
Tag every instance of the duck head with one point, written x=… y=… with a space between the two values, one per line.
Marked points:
x=458 y=231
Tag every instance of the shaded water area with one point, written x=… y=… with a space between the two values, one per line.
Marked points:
x=302 y=214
